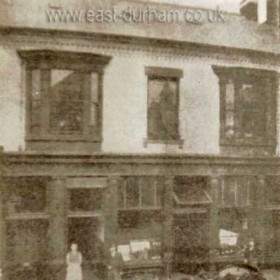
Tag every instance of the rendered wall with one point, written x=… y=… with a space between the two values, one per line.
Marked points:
x=125 y=105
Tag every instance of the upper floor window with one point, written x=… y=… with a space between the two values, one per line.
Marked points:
x=163 y=104
x=64 y=95
x=247 y=107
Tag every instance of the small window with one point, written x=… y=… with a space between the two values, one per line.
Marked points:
x=163 y=104
x=64 y=98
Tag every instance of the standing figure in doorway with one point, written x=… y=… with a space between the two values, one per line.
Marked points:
x=74 y=261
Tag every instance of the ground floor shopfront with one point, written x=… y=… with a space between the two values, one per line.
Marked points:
x=164 y=214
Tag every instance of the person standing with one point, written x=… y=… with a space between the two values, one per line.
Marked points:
x=74 y=261
x=116 y=263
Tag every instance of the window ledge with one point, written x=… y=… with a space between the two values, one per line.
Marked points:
x=179 y=142
x=247 y=142
x=84 y=214
x=27 y=216
x=67 y=138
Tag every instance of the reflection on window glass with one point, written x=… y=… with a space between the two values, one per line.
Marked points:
x=148 y=191
x=253 y=117
x=67 y=102
x=132 y=192
x=94 y=99
x=163 y=109
x=229 y=123
x=235 y=191
x=36 y=101
x=141 y=192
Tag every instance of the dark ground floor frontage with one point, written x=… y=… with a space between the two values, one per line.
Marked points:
x=163 y=214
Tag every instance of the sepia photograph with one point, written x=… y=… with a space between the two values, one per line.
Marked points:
x=139 y=139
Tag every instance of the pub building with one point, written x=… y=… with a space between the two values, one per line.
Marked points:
x=160 y=139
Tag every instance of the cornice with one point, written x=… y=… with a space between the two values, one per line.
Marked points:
x=108 y=158
x=32 y=38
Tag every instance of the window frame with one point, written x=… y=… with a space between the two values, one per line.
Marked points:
x=162 y=73
x=46 y=61
x=239 y=76
x=157 y=189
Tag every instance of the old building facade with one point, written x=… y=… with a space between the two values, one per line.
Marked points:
x=160 y=139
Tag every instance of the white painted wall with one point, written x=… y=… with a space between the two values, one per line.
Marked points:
x=125 y=105
x=11 y=102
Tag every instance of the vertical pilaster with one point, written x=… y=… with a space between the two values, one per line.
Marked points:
x=111 y=212
x=168 y=233
x=2 y=219
x=2 y=231
x=58 y=225
x=277 y=101
x=214 y=220
x=261 y=219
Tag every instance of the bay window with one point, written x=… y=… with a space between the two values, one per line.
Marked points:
x=247 y=110
x=63 y=98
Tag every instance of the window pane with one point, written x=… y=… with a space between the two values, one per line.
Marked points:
x=148 y=191
x=163 y=109
x=233 y=231
x=253 y=106
x=273 y=190
x=27 y=196
x=229 y=192
x=36 y=101
x=243 y=191
x=85 y=199
x=230 y=96
x=273 y=243
x=94 y=99
x=121 y=197
x=132 y=192
x=160 y=192
x=236 y=191
x=229 y=123
x=253 y=123
x=67 y=102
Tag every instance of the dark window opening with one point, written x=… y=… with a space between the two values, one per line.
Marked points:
x=86 y=199
x=26 y=195
x=163 y=104
x=247 y=107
